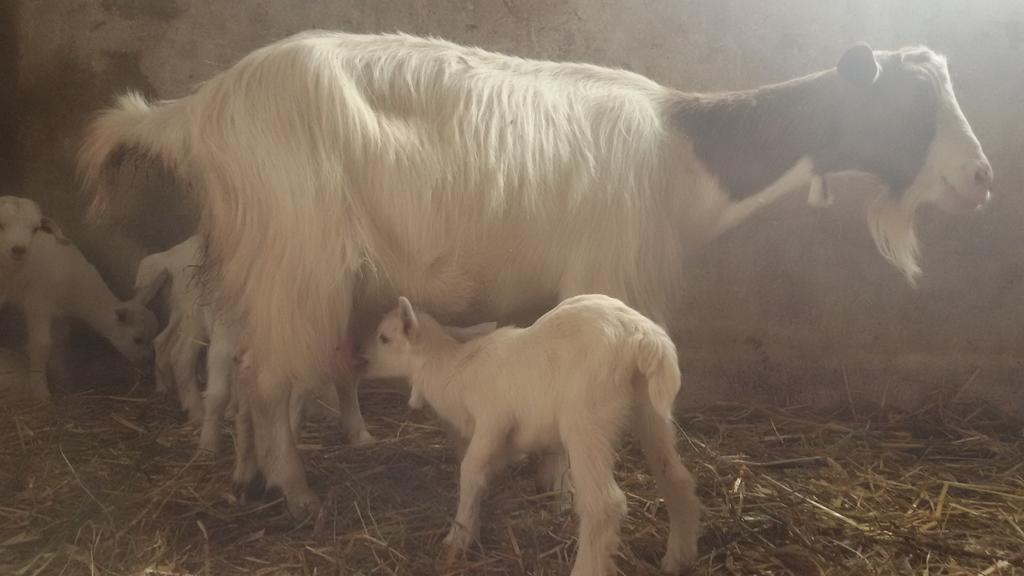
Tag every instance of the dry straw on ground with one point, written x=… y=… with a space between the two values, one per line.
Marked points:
x=106 y=483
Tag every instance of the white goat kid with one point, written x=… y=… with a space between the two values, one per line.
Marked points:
x=573 y=381
x=53 y=281
x=192 y=325
x=20 y=220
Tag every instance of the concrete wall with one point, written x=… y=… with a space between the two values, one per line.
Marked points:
x=796 y=305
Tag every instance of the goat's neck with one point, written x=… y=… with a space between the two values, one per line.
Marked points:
x=758 y=145
x=748 y=140
x=92 y=301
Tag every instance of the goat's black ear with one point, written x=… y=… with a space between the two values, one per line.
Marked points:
x=858 y=65
x=410 y=324
x=124 y=315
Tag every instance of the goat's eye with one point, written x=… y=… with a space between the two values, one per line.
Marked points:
x=138 y=340
x=384 y=339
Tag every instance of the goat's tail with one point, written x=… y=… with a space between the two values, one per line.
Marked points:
x=131 y=128
x=657 y=361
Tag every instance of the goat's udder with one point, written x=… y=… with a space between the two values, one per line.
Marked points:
x=346 y=359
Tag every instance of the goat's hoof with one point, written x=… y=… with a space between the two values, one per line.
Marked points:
x=304 y=505
x=251 y=490
x=208 y=448
x=458 y=540
x=678 y=559
x=563 y=503
x=362 y=438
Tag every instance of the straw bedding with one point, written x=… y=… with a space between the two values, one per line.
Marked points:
x=107 y=482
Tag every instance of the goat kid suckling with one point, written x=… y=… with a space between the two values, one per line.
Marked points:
x=53 y=280
x=573 y=382
x=194 y=325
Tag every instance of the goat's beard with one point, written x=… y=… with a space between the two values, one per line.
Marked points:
x=891 y=221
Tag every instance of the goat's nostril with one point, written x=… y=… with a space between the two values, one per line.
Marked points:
x=18 y=251
x=983 y=175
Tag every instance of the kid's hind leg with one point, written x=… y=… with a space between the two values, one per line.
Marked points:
x=599 y=501
x=675 y=484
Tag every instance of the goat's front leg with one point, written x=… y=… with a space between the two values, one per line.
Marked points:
x=484 y=456
x=39 y=325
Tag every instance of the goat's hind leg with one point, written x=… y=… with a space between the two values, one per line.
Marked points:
x=675 y=484
x=350 y=416
x=276 y=452
x=599 y=501
x=248 y=479
x=346 y=385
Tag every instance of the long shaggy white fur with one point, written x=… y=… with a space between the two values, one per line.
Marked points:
x=425 y=158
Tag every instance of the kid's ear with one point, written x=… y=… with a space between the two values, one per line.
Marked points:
x=410 y=324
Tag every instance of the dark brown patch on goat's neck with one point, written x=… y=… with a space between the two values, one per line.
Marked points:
x=749 y=139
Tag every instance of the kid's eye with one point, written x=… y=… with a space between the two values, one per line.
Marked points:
x=384 y=339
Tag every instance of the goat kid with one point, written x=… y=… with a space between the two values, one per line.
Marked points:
x=54 y=280
x=572 y=382
x=20 y=220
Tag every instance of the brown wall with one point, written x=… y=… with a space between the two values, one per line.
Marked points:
x=8 y=96
x=780 y=309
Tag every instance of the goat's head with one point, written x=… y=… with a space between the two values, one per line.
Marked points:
x=901 y=122
x=390 y=351
x=20 y=220
x=135 y=325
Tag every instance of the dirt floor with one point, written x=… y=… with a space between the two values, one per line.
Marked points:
x=106 y=482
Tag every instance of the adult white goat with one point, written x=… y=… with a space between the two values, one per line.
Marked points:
x=336 y=171
x=193 y=325
x=573 y=382
x=54 y=280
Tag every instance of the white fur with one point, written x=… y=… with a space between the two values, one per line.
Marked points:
x=336 y=171
x=20 y=220
x=56 y=281
x=193 y=324
x=569 y=384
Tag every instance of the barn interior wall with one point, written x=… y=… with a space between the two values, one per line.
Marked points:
x=795 y=306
